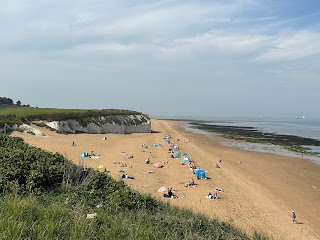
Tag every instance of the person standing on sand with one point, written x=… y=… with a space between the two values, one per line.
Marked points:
x=294 y=217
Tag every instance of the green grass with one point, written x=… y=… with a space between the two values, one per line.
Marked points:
x=29 y=218
x=17 y=115
x=45 y=196
x=27 y=111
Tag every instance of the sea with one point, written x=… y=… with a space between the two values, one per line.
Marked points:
x=302 y=127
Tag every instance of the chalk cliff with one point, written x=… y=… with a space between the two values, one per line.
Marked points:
x=121 y=124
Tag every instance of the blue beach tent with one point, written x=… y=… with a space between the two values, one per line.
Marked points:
x=85 y=154
x=155 y=145
x=167 y=141
x=178 y=154
x=201 y=174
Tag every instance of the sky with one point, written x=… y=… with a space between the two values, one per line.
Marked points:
x=166 y=58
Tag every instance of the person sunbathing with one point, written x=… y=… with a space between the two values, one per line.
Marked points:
x=192 y=183
x=209 y=196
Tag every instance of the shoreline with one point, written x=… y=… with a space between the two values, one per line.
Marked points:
x=256 y=147
x=259 y=193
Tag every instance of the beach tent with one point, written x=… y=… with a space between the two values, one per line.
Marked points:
x=186 y=159
x=157 y=165
x=85 y=154
x=163 y=189
x=100 y=166
x=201 y=174
x=155 y=145
x=178 y=154
x=167 y=141
x=171 y=156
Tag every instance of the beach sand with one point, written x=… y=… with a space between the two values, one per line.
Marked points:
x=259 y=193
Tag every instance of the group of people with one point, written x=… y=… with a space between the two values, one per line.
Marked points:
x=193 y=167
x=169 y=194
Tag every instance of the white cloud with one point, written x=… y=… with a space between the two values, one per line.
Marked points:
x=292 y=46
x=105 y=49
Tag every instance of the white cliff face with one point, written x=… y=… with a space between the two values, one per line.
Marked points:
x=27 y=128
x=121 y=125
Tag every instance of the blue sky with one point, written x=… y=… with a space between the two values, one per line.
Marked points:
x=166 y=58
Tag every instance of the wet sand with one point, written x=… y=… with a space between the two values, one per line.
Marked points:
x=259 y=193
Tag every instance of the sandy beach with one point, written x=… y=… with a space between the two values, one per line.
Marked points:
x=259 y=189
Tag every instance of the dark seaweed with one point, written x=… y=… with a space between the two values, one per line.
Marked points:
x=252 y=134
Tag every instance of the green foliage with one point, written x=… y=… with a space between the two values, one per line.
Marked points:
x=30 y=167
x=6 y=101
x=45 y=196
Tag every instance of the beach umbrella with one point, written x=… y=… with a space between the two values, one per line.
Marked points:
x=163 y=189
x=100 y=166
x=157 y=165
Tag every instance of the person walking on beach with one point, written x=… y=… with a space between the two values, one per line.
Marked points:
x=294 y=217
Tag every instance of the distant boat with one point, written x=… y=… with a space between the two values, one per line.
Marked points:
x=303 y=117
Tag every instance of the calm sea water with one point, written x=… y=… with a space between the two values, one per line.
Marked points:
x=290 y=126
x=309 y=128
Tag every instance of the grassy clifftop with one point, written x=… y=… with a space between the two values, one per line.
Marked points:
x=19 y=115
x=45 y=196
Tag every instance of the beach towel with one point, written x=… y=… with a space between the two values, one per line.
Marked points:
x=163 y=189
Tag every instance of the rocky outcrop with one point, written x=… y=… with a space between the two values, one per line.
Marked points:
x=120 y=124
x=24 y=128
